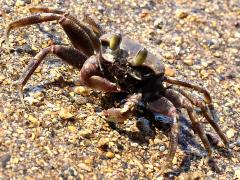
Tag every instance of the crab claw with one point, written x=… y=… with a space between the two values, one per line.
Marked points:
x=114 y=42
x=140 y=57
x=113 y=115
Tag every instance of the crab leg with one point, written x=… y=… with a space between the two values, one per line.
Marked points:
x=90 y=33
x=45 y=10
x=180 y=101
x=205 y=112
x=68 y=54
x=77 y=35
x=165 y=107
x=95 y=27
x=207 y=96
x=121 y=114
x=28 y=21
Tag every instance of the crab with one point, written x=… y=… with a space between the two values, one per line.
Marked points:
x=116 y=63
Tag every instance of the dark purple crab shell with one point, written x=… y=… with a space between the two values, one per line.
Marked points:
x=132 y=48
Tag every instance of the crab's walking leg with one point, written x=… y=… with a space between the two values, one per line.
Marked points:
x=28 y=21
x=45 y=10
x=200 y=89
x=205 y=112
x=121 y=114
x=91 y=32
x=78 y=36
x=180 y=101
x=97 y=29
x=68 y=54
x=165 y=107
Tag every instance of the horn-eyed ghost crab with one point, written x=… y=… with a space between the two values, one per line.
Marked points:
x=115 y=63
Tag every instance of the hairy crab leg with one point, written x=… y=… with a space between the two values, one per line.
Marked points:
x=166 y=107
x=78 y=37
x=200 y=89
x=45 y=10
x=121 y=114
x=205 y=112
x=68 y=54
x=180 y=101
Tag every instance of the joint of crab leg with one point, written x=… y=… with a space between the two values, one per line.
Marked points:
x=28 y=21
x=95 y=27
x=114 y=42
x=140 y=57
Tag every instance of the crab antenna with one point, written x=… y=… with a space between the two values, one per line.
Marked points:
x=114 y=42
x=140 y=57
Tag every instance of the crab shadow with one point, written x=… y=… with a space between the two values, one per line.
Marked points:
x=187 y=142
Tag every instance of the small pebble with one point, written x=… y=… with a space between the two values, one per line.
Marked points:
x=80 y=100
x=2 y=78
x=237 y=173
x=82 y=90
x=65 y=114
x=188 y=61
x=72 y=128
x=6 y=9
x=162 y=148
x=110 y=155
x=168 y=55
x=169 y=72
x=19 y=3
x=4 y=159
x=1 y=116
x=86 y=133
x=230 y=133
x=181 y=13
x=238 y=143
x=34 y=121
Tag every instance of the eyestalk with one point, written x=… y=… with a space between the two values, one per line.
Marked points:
x=115 y=41
x=140 y=57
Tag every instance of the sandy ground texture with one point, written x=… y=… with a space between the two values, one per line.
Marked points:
x=60 y=134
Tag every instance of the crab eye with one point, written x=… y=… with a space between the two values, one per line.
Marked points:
x=115 y=41
x=140 y=57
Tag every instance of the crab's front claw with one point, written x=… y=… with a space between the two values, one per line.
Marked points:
x=121 y=114
x=114 y=115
